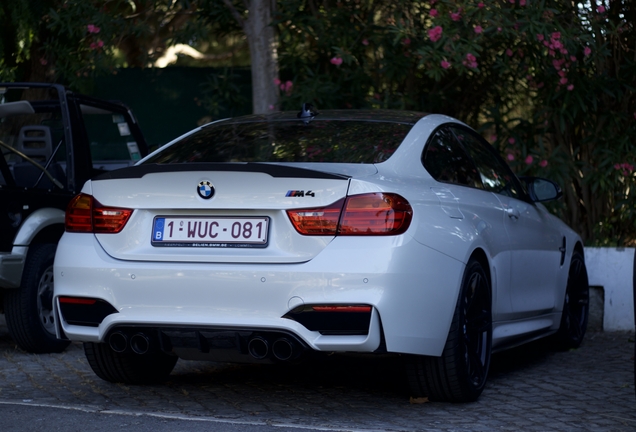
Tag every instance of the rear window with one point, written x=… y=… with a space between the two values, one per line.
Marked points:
x=350 y=141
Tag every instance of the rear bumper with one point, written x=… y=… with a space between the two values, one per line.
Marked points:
x=412 y=290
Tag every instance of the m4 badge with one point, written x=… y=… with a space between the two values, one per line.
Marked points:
x=299 y=193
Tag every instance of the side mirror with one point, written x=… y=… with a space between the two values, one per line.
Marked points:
x=541 y=189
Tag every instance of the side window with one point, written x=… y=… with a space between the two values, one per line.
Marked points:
x=446 y=160
x=495 y=175
x=111 y=143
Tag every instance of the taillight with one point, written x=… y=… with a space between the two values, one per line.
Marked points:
x=85 y=214
x=375 y=214
x=366 y=214
x=317 y=221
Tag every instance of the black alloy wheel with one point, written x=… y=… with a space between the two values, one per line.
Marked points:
x=576 y=305
x=460 y=373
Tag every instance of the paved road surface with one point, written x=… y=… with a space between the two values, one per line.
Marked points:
x=531 y=388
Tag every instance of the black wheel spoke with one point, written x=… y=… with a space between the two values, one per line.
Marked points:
x=475 y=366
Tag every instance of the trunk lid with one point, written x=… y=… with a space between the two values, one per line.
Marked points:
x=243 y=220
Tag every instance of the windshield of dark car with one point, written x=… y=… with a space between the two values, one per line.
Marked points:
x=344 y=141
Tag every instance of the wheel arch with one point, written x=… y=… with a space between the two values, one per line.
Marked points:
x=42 y=226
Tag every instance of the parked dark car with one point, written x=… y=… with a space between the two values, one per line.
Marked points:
x=52 y=141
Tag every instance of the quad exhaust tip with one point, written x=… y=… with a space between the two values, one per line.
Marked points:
x=118 y=342
x=258 y=347
x=140 y=343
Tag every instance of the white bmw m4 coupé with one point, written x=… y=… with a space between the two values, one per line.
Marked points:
x=265 y=238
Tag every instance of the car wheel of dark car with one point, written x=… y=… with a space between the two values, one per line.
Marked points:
x=576 y=305
x=128 y=367
x=460 y=373
x=29 y=309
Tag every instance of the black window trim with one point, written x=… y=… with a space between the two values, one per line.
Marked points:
x=450 y=125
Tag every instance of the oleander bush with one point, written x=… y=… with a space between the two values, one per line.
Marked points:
x=551 y=83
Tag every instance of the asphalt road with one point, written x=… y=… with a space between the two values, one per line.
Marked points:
x=531 y=388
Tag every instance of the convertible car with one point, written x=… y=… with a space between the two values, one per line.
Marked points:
x=265 y=238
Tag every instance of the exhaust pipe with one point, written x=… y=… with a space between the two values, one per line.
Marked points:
x=258 y=347
x=140 y=343
x=118 y=342
x=283 y=349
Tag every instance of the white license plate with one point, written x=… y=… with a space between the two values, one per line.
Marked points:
x=210 y=231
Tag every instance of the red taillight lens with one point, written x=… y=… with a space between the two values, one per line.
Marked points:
x=366 y=214
x=317 y=221
x=339 y=308
x=85 y=214
x=375 y=214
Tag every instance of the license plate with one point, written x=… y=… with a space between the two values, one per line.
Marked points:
x=210 y=231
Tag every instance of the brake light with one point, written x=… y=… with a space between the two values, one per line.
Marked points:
x=85 y=214
x=366 y=214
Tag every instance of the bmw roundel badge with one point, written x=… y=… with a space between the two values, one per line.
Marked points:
x=205 y=189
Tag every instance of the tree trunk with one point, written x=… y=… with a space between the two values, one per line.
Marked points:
x=263 y=44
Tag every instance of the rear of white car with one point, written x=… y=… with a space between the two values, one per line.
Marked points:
x=247 y=241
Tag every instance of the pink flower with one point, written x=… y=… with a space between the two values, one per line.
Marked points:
x=509 y=52
x=272 y=107
x=511 y=140
x=276 y=82
x=571 y=87
x=336 y=61
x=96 y=45
x=93 y=28
x=522 y=2
x=433 y=13
x=540 y=37
x=365 y=42
x=287 y=87
x=587 y=51
x=435 y=33
x=600 y=9
x=573 y=58
x=556 y=35
x=529 y=159
x=563 y=81
x=446 y=65
x=499 y=29
x=543 y=163
x=470 y=61
x=456 y=16
x=510 y=157
x=478 y=29
x=406 y=41
x=480 y=5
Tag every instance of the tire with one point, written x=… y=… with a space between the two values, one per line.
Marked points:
x=576 y=306
x=29 y=309
x=460 y=373
x=128 y=368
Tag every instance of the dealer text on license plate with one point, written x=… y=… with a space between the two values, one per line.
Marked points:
x=210 y=231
